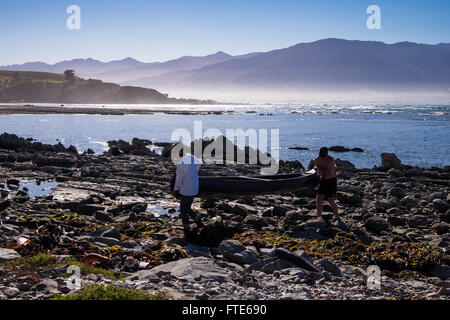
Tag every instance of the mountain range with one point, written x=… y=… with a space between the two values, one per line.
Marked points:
x=336 y=67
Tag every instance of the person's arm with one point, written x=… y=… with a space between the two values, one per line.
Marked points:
x=178 y=180
x=319 y=171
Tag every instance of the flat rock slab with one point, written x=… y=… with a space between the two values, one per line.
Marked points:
x=198 y=269
x=300 y=261
x=8 y=255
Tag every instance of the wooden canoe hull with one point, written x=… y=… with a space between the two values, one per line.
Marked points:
x=243 y=185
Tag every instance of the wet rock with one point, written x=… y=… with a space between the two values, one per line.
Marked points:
x=329 y=265
x=89 y=209
x=445 y=217
x=298 y=258
x=103 y=216
x=395 y=173
x=409 y=202
x=397 y=221
x=212 y=234
x=442 y=228
x=345 y=164
x=5 y=204
x=440 y=205
x=338 y=149
x=9 y=230
x=8 y=255
x=436 y=195
x=276 y=265
x=192 y=270
x=55 y=161
x=418 y=220
x=349 y=198
x=298 y=148
x=440 y=271
x=382 y=206
x=255 y=221
x=140 y=207
x=243 y=209
x=12 y=182
x=115 y=151
x=115 y=210
x=236 y=252
x=108 y=233
x=397 y=192
x=389 y=161
x=120 y=146
x=107 y=241
x=377 y=224
x=413 y=172
x=279 y=211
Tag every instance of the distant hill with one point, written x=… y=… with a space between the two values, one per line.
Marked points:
x=325 y=64
x=126 y=69
x=444 y=45
x=335 y=70
x=44 y=87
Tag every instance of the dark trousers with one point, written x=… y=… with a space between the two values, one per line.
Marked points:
x=186 y=210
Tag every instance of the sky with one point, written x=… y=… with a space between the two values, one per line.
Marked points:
x=35 y=30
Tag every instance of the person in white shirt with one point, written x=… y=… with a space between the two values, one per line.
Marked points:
x=186 y=187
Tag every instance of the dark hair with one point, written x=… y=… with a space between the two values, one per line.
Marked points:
x=323 y=152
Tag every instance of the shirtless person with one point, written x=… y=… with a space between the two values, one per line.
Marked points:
x=328 y=183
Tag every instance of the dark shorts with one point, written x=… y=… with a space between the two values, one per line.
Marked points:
x=328 y=187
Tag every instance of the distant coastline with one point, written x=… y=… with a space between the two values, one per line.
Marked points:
x=45 y=87
x=33 y=109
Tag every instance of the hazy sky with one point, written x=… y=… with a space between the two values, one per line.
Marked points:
x=35 y=30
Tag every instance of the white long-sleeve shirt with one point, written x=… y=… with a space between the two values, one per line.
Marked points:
x=186 y=181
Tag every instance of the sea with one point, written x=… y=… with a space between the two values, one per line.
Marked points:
x=418 y=134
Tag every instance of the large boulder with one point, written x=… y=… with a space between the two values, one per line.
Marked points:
x=8 y=255
x=122 y=145
x=389 y=161
x=344 y=164
x=212 y=234
x=329 y=265
x=234 y=251
x=339 y=149
x=191 y=270
x=298 y=258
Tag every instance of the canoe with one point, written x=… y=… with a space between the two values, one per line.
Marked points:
x=247 y=185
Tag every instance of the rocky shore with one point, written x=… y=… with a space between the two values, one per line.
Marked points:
x=112 y=215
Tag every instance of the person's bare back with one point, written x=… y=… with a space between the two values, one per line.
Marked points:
x=325 y=166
